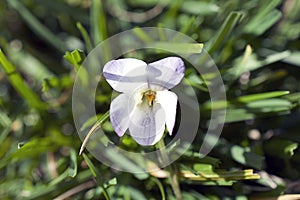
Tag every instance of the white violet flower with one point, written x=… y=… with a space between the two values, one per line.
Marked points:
x=145 y=105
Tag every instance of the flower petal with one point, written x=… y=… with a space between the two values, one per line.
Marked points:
x=125 y=75
x=119 y=112
x=166 y=72
x=147 y=124
x=168 y=101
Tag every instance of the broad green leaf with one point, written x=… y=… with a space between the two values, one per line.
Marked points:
x=246 y=157
x=19 y=84
x=202 y=167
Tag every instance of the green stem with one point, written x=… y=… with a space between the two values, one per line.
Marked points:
x=96 y=126
x=173 y=177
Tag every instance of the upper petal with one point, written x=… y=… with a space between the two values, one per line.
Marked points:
x=168 y=101
x=166 y=72
x=119 y=111
x=125 y=75
x=147 y=124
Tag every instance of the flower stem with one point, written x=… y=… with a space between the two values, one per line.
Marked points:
x=96 y=126
x=173 y=177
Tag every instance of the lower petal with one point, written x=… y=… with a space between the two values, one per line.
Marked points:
x=119 y=112
x=147 y=124
x=168 y=101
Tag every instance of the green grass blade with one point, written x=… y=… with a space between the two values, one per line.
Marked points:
x=19 y=84
x=37 y=26
x=98 y=22
x=226 y=28
x=85 y=36
x=96 y=174
x=260 y=96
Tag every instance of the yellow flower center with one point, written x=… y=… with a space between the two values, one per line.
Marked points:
x=150 y=96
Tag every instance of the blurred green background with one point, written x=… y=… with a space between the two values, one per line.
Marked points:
x=254 y=43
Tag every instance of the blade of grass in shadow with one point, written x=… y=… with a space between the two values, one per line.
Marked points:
x=19 y=84
x=37 y=26
x=96 y=174
x=226 y=28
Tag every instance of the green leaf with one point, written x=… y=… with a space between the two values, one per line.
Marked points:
x=75 y=57
x=295 y=97
x=265 y=17
x=29 y=65
x=184 y=48
x=98 y=22
x=127 y=164
x=19 y=84
x=249 y=62
x=72 y=172
x=226 y=28
x=85 y=36
x=219 y=176
x=270 y=105
x=246 y=157
x=37 y=26
x=199 y=7
x=260 y=96
x=281 y=148
x=96 y=173
x=142 y=35
x=92 y=167
x=238 y=114
x=293 y=58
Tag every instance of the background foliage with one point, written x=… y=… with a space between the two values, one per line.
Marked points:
x=255 y=45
